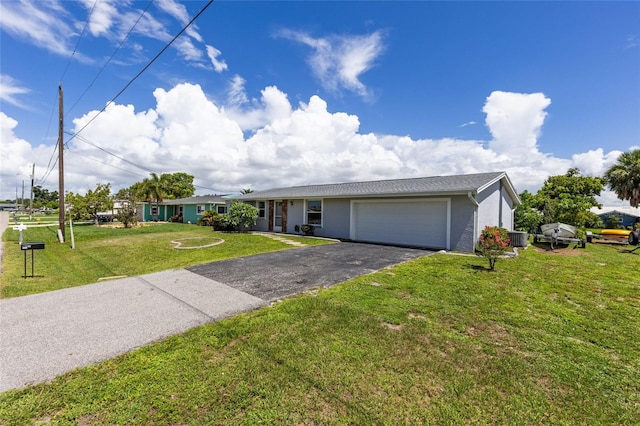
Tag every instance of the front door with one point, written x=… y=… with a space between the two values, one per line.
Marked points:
x=277 y=217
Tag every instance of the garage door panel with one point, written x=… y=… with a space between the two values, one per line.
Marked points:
x=420 y=223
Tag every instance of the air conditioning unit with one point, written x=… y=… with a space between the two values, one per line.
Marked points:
x=518 y=239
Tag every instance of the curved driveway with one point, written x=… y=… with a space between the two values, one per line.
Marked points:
x=47 y=334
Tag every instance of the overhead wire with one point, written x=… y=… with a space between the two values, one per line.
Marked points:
x=144 y=68
x=126 y=37
x=75 y=49
x=130 y=171
x=106 y=164
x=87 y=141
x=77 y=134
x=64 y=73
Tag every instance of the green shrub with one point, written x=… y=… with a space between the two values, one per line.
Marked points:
x=492 y=244
x=307 y=229
x=242 y=214
x=207 y=218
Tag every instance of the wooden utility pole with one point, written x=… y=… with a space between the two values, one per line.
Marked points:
x=33 y=171
x=61 y=211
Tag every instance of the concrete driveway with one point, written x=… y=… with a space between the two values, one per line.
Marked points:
x=45 y=335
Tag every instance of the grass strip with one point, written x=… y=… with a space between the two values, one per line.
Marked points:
x=549 y=338
x=102 y=251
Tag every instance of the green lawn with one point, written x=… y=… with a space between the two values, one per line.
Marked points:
x=549 y=338
x=103 y=252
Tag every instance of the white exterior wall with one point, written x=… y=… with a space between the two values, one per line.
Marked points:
x=495 y=207
x=489 y=207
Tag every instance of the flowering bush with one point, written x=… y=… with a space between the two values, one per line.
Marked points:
x=492 y=244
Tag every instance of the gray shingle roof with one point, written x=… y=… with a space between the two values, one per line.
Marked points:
x=395 y=187
x=198 y=199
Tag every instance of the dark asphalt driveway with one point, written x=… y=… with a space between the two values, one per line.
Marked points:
x=272 y=276
x=39 y=340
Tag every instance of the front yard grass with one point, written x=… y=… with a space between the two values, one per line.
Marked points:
x=103 y=252
x=549 y=338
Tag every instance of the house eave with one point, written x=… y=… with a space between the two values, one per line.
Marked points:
x=359 y=196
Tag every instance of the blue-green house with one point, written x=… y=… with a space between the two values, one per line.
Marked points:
x=184 y=210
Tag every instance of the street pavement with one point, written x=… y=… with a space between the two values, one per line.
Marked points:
x=45 y=335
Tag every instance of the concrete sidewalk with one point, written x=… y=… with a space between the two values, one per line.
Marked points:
x=45 y=335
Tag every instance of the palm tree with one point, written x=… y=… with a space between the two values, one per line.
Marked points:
x=154 y=190
x=624 y=177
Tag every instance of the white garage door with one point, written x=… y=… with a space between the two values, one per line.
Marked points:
x=423 y=223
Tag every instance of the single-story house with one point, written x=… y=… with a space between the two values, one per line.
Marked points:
x=185 y=210
x=441 y=212
x=627 y=216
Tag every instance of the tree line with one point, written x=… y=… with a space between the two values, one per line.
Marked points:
x=154 y=189
x=569 y=198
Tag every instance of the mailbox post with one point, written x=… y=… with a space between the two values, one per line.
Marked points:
x=30 y=246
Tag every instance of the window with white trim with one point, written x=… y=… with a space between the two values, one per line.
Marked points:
x=221 y=208
x=261 y=209
x=314 y=212
x=200 y=208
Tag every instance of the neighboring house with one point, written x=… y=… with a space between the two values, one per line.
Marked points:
x=442 y=212
x=109 y=215
x=185 y=210
x=627 y=216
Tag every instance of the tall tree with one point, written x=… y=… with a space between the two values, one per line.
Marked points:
x=127 y=212
x=178 y=185
x=623 y=178
x=43 y=198
x=92 y=203
x=153 y=190
x=527 y=217
x=568 y=198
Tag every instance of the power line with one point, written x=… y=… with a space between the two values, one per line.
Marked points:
x=131 y=172
x=145 y=67
x=48 y=172
x=105 y=163
x=126 y=37
x=86 y=24
x=64 y=72
x=87 y=141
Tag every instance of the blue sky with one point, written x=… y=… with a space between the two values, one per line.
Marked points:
x=264 y=94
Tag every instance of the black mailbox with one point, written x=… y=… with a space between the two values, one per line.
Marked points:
x=32 y=246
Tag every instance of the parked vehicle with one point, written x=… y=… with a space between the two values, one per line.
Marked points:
x=559 y=230
x=559 y=233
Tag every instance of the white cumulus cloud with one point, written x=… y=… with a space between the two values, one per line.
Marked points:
x=515 y=121
x=268 y=142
